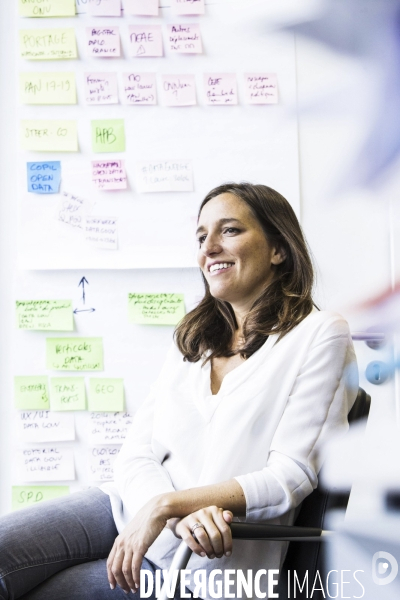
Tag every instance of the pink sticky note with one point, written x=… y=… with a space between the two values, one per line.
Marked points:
x=261 y=88
x=101 y=88
x=145 y=40
x=142 y=7
x=178 y=90
x=184 y=38
x=105 y=8
x=109 y=174
x=188 y=7
x=140 y=88
x=220 y=88
x=103 y=41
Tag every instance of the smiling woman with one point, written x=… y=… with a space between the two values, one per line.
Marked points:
x=256 y=381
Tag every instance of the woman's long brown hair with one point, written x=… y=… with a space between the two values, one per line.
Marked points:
x=281 y=306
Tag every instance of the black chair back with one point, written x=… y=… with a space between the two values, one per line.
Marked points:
x=306 y=558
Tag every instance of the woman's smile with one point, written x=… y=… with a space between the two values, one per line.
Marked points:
x=220 y=267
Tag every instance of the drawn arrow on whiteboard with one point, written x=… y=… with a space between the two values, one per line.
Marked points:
x=82 y=283
x=77 y=310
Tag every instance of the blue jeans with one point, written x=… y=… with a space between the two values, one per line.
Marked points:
x=58 y=550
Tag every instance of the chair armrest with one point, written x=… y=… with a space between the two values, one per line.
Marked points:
x=261 y=531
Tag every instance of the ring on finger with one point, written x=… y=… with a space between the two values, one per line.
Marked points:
x=193 y=529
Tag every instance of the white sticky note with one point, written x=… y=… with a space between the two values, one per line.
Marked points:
x=101 y=460
x=45 y=463
x=178 y=90
x=108 y=428
x=220 y=88
x=101 y=88
x=145 y=40
x=103 y=42
x=109 y=174
x=72 y=210
x=164 y=176
x=101 y=232
x=188 y=7
x=140 y=88
x=261 y=88
x=45 y=426
x=184 y=38
x=104 y=8
x=146 y=8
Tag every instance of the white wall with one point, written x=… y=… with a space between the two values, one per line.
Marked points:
x=348 y=233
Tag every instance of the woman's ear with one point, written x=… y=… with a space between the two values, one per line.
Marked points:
x=278 y=256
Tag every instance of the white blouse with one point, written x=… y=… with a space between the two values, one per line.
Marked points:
x=264 y=428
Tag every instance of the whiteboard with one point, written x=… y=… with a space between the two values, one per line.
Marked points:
x=224 y=143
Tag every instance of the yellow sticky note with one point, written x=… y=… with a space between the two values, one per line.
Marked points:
x=47 y=88
x=47 y=44
x=156 y=309
x=108 y=135
x=30 y=495
x=106 y=395
x=74 y=354
x=47 y=8
x=67 y=393
x=50 y=315
x=31 y=392
x=49 y=135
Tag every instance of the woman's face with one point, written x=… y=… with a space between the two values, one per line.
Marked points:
x=234 y=254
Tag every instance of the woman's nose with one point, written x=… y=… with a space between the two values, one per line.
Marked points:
x=211 y=246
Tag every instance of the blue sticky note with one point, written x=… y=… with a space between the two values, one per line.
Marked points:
x=44 y=177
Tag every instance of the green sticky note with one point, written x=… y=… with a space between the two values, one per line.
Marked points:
x=67 y=393
x=47 y=88
x=47 y=8
x=74 y=354
x=108 y=135
x=156 y=309
x=49 y=135
x=29 y=495
x=31 y=392
x=47 y=44
x=50 y=315
x=106 y=395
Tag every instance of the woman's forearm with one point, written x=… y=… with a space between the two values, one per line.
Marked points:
x=228 y=495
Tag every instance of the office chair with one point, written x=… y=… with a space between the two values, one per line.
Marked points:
x=305 y=555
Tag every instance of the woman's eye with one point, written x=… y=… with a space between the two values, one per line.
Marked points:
x=231 y=230
x=201 y=239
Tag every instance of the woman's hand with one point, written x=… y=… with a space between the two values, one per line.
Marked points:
x=125 y=558
x=214 y=540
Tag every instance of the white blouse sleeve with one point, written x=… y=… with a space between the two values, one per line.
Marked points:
x=317 y=408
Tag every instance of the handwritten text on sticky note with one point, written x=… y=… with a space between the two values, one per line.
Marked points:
x=147 y=8
x=44 y=177
x=101 y=460
x=49 y=135
x=184 y=39
x=67 y=393
x=101 y=88
x=220 y=88
x=108 y=135
x=105 y=8
x=179 y=90
x=47 y=44
x=140 y=88
x=145 y=40
x=109 y=174
x=46 y=463
x=188 y=7
x=106 y=394
x=47 y=88
x=47 y=315
x=164 y=176
x=101 y=232
x=47 y=8
x=45 y=426
x=30 y=495
x=261 y=88
x=156 y=309
x=103 y=42
x=31 y=392
x=72 y=210
x=108 y=427
x=74 y=354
